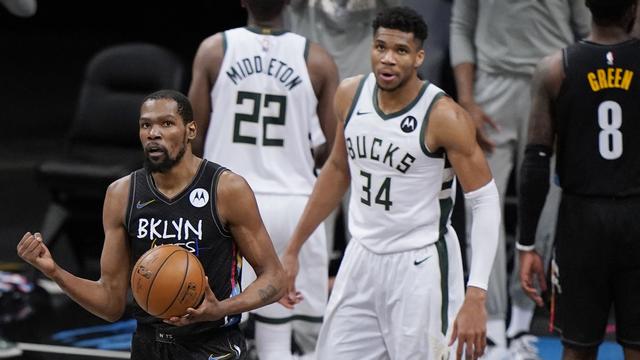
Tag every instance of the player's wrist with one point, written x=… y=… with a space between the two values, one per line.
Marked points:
x=525 y=247
x=293 y=249
x=476 y=293
x=54 y=274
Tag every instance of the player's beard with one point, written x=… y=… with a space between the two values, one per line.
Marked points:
x=166 y=164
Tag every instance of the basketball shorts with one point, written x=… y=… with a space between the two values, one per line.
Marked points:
x=394 y=306
x=224 y=343
x=596 y=251
x=280 y=214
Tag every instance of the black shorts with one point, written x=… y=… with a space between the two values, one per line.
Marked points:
x=598 y=256
x=224 y=343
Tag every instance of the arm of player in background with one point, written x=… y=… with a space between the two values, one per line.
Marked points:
x=534 y=173
x=463 y=61
x=324 y=78
x=206 y=66
x=328 y=190
x=105 y=297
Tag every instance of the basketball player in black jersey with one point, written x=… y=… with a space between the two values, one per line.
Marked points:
x=180 y=199
x=586 y=104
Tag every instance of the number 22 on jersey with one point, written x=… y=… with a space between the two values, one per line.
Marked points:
x=256 y=117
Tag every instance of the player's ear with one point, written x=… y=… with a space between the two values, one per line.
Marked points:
x=192 y=130
x=419 y=58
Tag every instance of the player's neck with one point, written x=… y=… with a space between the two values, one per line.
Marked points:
x=390 y=101
x=180 y=176
x=608 y=35
x=273 y=24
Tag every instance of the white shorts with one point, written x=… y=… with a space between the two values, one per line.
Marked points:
x=280 y=214
x=392 y=306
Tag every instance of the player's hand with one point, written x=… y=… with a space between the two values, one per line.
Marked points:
x=470 y=326
x=209 y=310
x=531 y=268
x=480 y=118
x=33 y=250
x=291 y=266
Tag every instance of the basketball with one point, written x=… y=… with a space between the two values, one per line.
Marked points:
x=167 y=280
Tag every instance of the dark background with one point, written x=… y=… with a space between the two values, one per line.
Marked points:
x=43 y=57
x=42 y=63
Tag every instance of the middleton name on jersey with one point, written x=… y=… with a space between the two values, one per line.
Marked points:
x=275 y=68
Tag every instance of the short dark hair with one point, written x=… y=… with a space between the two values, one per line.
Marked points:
x=263 y=10
x=402 y=18
x=184 y=105
x=610 y=12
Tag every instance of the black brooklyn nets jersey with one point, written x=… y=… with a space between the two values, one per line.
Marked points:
x=598 y=120
x=189 y=220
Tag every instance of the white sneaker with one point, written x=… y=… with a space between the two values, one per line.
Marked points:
x=524 y=348
x=8 y=349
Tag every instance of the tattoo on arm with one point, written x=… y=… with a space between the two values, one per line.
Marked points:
x=267 y=293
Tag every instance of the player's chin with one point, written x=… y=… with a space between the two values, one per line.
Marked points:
x=386 y=85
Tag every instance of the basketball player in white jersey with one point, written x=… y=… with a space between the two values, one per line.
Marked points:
x=263 y=98
x=401 y=143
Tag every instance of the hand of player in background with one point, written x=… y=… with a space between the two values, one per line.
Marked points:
x=470 y=326
x=32 y=250
x=291 y=296
x=209 y=310
x=480 y=119
x=531 y=268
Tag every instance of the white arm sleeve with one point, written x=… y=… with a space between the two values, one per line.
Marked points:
x=485 y=229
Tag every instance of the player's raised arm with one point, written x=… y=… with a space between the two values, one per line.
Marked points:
x=105 y=297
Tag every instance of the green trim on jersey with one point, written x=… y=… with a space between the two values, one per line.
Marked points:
x=307 y=45
x=445 y=210
x=446 y=206
x=423 y=130
x=443 y=260
x=401 y=111
x=265 y=31
x=224 y=43
x=355 y=100
x=273 y=321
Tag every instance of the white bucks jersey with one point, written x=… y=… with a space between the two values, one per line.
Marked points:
x=263 y=123
x=401 y=193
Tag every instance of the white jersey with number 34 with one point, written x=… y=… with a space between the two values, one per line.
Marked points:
x=401 y=192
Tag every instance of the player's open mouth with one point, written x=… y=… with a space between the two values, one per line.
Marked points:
x=386 y=76
x=155 y=150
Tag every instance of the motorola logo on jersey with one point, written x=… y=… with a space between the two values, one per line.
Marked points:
x=199 y=197
x=408 y=124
